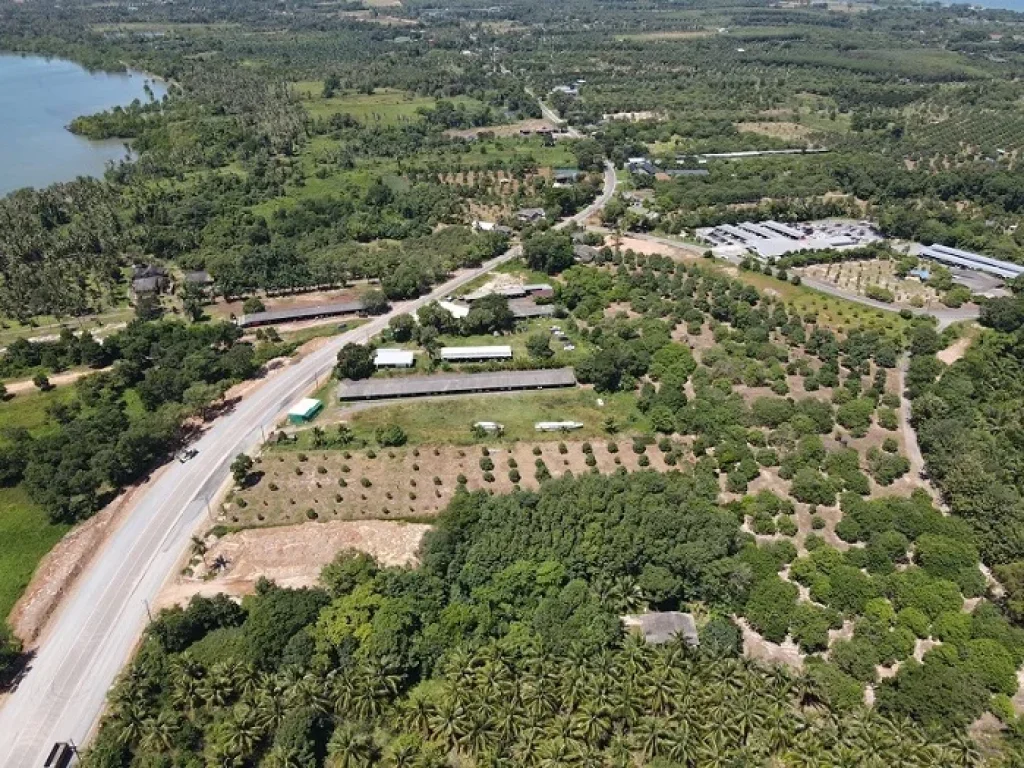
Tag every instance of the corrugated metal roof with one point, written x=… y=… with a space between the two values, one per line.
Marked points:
x=402 y=357
x=476 y=353
x=305 y=408
x=454 y=384
x=524 y=308
x=301 y=313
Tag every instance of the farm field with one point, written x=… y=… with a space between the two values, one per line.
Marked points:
x=385 y=106
x=856 y=276
x=412 y=482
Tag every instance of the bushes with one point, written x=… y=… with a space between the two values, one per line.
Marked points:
x=390 y=436
x=857 y=658
x=886 y=468
x=811 y=487
x=770 y=608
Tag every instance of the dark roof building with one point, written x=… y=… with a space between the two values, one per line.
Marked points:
x=523 y=309
x=661 y=627
x=153 y=284
x=585 y=254
x=148 y=270
x=530 y=214
x=455 y=384
x=300 y=313
x=567 y=175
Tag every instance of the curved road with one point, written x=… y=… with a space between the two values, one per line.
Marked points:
x=92 y=636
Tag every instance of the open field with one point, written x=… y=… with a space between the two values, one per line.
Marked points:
x=682 y=34
x=26 y=535
x=448 y=419
x=292 y=556
x=42 y=326
x=406 y=482
x=385 y=106
x=777 y=130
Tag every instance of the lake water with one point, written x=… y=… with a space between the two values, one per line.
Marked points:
x=38 y=98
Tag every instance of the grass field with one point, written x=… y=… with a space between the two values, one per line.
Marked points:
x=25 y=536
x=447 y=421
x=386 y=106
x=25 y=532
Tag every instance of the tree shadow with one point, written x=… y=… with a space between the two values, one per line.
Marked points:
x=12 y=675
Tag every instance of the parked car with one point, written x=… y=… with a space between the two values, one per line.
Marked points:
x=187 y=454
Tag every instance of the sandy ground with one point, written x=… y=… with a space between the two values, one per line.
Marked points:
x=756 y=647
x=511 y=129
x=955 y=351
x=293 y=555
x=778 y=130
x=651 y=248
x=56 y=380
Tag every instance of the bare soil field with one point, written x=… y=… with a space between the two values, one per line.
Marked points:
x=679 y=252
x=291 y=555
x=777 y=130
x=510 y=129
x=406 y=483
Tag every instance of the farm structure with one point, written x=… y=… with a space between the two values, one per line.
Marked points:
x=394 y=358
x=300 y=313
x=476 y=354
x=772 y=239
x=304 y=410
x=969 y=260
x=456 y=384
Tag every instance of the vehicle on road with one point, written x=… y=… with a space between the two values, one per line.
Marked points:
x=187 y=454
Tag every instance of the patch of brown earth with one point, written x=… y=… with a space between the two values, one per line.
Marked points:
x=292 y=556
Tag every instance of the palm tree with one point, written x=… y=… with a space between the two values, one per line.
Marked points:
x=158 y=733
x=351 y=747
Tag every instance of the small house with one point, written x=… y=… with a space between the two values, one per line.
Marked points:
x=530 y=214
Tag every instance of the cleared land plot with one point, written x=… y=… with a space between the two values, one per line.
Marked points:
x=777 y=130
x=680 y=34
x=386 y=106
x=398 y=483
x=292 y=556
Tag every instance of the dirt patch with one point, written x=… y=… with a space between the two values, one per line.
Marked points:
x=56 y=380
x=756 y=647
x=680 y=252
x=293 y=555
x=950 y=354
x=777 y=130
x=511 y=129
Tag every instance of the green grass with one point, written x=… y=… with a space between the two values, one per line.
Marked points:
x=29 y=410
x=448 y=421
x=386 y=106
x=25 y=536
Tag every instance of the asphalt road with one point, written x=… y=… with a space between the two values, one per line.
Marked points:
x=92 y=636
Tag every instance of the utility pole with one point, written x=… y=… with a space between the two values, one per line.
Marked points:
x=149 y=613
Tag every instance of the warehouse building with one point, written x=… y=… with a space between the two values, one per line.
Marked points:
x=525 y=309
x=455 y=384
x=293 y=314
x=394 y=358
x=969 y=260
x=476 y=354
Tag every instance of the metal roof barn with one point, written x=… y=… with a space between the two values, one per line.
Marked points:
x=525 y=308
x=987 y=260
x=783 y=229
x=394 y=358
x=496 y=352
x=304 y=410
x=456 y=384
x=968 y=263
x=300 y=313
